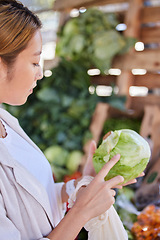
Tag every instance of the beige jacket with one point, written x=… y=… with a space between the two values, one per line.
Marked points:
x=25 y=212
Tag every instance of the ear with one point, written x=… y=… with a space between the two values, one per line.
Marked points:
x=3 y=69
x=1 y=62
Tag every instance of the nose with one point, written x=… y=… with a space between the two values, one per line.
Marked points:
x=40 y=74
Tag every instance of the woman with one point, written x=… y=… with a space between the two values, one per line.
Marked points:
x=31 y=204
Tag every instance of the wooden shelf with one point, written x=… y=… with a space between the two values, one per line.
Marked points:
x=148 y=59
x=150 y=14
x=64 y=5
x=150 y=35
x=103 y=80
x=138 y=103
x=149 y=80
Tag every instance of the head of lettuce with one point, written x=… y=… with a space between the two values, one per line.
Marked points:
x=134 y=154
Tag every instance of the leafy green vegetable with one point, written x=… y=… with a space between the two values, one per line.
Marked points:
x=73 y=161
x=56 y=155
x=93 y=38
x=134 y=150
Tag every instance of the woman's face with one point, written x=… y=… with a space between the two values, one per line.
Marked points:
x=17 y=83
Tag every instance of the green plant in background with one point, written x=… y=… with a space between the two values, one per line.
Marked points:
x=93 y=38
x=112 y=124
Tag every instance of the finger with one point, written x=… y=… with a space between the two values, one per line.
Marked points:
x=106 y=168
x=119 y=186
x=92 y=149
x=115 y=181
x=142 y=174
x=128 y=183
x=88 y=168
x=113 y=192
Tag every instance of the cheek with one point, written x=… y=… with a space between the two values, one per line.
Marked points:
x=25 y=76
x=21 y=78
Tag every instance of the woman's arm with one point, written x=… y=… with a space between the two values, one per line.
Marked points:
x=92 y=201
x=69 y=227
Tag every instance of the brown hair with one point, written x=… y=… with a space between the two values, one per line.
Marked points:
x=17 y=26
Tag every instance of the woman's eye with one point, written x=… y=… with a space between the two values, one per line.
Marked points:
x=36 y=64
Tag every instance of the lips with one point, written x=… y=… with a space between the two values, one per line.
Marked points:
x=33 y=87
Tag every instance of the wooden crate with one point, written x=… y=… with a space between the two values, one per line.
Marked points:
x=150 y=127
x=147 y=59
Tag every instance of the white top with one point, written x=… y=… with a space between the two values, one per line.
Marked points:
x=32 y=160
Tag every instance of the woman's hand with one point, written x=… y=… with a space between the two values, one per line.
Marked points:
x=98 y=196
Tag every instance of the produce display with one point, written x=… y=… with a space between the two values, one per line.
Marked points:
x=93 y=38
x=134 y=150
x=148 y=224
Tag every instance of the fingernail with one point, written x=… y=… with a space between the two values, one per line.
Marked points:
x=122 y=178
x=93 y=141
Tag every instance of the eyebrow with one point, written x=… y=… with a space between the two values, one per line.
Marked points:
x=37 y=53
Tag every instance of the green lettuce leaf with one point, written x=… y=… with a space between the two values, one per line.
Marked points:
x=133 y=148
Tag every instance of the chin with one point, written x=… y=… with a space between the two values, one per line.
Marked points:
x=16 y=103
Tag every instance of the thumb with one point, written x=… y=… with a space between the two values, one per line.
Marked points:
x=92 y=149
x=88 y=168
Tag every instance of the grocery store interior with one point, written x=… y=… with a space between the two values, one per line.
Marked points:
x=101 y=67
